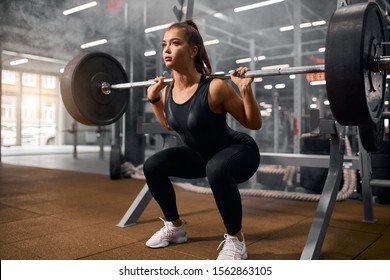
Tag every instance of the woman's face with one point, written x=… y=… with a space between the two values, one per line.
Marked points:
x=176 y=51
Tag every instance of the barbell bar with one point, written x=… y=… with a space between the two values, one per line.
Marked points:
x=379 y=64
x=106 y=87
x=355 y=72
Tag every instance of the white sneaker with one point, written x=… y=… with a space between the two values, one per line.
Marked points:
x=168 y=234
x=233 y=249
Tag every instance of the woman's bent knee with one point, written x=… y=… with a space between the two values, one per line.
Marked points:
x=151 y=165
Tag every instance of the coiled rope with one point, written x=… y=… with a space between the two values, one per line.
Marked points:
x=349 y=185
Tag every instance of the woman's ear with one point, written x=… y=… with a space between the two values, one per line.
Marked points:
x=195 y=50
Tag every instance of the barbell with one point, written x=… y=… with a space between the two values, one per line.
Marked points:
x=106 y=87
x=355 y=72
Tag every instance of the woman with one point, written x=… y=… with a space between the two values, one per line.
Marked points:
x=195 y=106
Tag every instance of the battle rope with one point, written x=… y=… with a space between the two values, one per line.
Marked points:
x=349 y=185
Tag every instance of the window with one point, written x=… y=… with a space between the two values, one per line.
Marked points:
x=29 y=112
x=8 y=77
x=29 y=79
x=8 y=109
x=48 y=82
x=48 y=111
x=28 y=108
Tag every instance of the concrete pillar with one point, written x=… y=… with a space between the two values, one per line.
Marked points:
x=134 y=61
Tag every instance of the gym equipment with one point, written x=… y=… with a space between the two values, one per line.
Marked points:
x=81 y=89
x=106 y=87
x=91 y=96
x=355 y=74
x=355 y=88
x=313 y=178
x=116 y=160
x=371 y=136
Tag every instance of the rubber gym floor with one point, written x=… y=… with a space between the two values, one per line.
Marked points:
x=55 y=207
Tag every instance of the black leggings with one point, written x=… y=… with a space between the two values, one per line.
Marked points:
x=231 y=166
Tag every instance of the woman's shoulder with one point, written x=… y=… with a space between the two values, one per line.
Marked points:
x=218 y=84
x=219 y=91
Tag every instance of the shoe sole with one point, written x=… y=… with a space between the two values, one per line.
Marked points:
x=178 y=240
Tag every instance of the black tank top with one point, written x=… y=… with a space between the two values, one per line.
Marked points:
x=200 y=128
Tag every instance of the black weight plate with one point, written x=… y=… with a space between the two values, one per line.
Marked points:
x=380 y=160
x=355 y=93
x=385 y=148
x=115 y=162
x=371 y=136
x=81 y=89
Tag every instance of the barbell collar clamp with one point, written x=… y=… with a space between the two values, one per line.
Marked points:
x=381 y=63
x=106 y=88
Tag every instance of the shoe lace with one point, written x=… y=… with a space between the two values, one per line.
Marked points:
x=167 y=229
x=229 y=248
